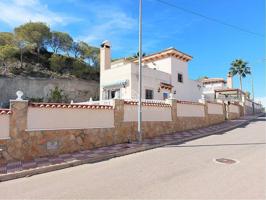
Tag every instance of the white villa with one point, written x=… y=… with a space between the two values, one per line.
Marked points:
x=218 y=88
x=164 y=72
x=210 y=85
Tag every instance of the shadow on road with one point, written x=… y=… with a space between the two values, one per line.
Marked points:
x=240 y=126
x=259 y=120
x=216 y=145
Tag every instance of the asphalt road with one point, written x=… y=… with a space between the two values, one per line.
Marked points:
x=175 y=171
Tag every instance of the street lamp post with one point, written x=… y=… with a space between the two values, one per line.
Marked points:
x=252 y=83
x=140 y=73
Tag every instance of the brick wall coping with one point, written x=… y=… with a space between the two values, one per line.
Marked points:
x=64 y=105
x=214 y=102
x=189 y=102
x=5 y=111
x=234 y=103
x=147 y=103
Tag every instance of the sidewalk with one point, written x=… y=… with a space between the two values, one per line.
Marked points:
x=20 y=169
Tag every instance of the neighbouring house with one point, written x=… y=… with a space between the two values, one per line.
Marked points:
x=218 y=88
x=163 y=73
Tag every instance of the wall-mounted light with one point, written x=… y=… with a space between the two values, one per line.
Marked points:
x=159 y=90
x=174 y=91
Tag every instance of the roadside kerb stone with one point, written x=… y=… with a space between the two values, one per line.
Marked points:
x=143 y=147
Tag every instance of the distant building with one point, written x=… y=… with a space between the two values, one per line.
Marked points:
x=212 y=84
x=164 y=72
x=218 y=88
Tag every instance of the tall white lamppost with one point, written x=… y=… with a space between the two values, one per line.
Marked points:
x=140 y=74
x=252 y=84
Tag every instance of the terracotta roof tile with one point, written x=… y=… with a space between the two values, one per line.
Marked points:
x=64 y=105
x=5 y=112
x=166 y=53
x=132 y=102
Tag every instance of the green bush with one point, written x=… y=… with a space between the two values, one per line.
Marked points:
x=57 y=95
x=84 y=71
x=57 y=63
x=16 y=70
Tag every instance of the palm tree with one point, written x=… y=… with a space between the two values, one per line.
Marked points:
x=136 y=55
x=239 y=67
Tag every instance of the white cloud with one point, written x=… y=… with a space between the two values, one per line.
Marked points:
x=25 y=2
x=115 y=23
x=109 y=23
x=16 y=12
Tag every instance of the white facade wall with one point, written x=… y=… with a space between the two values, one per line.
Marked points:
x=4 y=126
x=117 y=73
x=63 y=118
x=164 y=70
x=188 y=90
x=164 y=65
x=216 y=109
x=151 y=80
x=208 y=90
x=213 y=86
x=233 y=108
x=194 y=90
x=190 y=110
x=149 y=113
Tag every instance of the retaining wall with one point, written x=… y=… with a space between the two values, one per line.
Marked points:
x=37 y=130
x=234 y=111
x=4 y=123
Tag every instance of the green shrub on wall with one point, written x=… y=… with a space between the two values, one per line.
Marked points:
x=57 y=95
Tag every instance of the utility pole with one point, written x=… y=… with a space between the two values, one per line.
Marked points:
x=140 y=74
x=252 y=84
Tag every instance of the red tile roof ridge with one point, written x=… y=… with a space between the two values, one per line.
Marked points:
x=5 y=111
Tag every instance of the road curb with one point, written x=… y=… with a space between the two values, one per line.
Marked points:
x=45 y=169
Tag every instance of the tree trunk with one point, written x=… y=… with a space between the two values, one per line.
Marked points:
x=5 y=68
x=240 y=80
x=21 y=61
x=38 y=55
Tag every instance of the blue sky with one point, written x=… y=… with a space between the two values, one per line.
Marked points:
x=213 y=46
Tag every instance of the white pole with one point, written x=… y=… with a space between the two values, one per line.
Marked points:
x=252 y=83
x=140 y=73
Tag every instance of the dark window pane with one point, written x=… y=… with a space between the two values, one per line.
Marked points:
x=148 y=94
x=180 y=78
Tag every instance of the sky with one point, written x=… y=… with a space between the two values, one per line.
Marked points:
x=212 y=45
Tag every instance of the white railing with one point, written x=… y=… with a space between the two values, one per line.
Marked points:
x=148 y=101
x=108 y=102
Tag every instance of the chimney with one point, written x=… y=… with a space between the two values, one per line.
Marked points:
x=229 y=81
x=105 y=55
